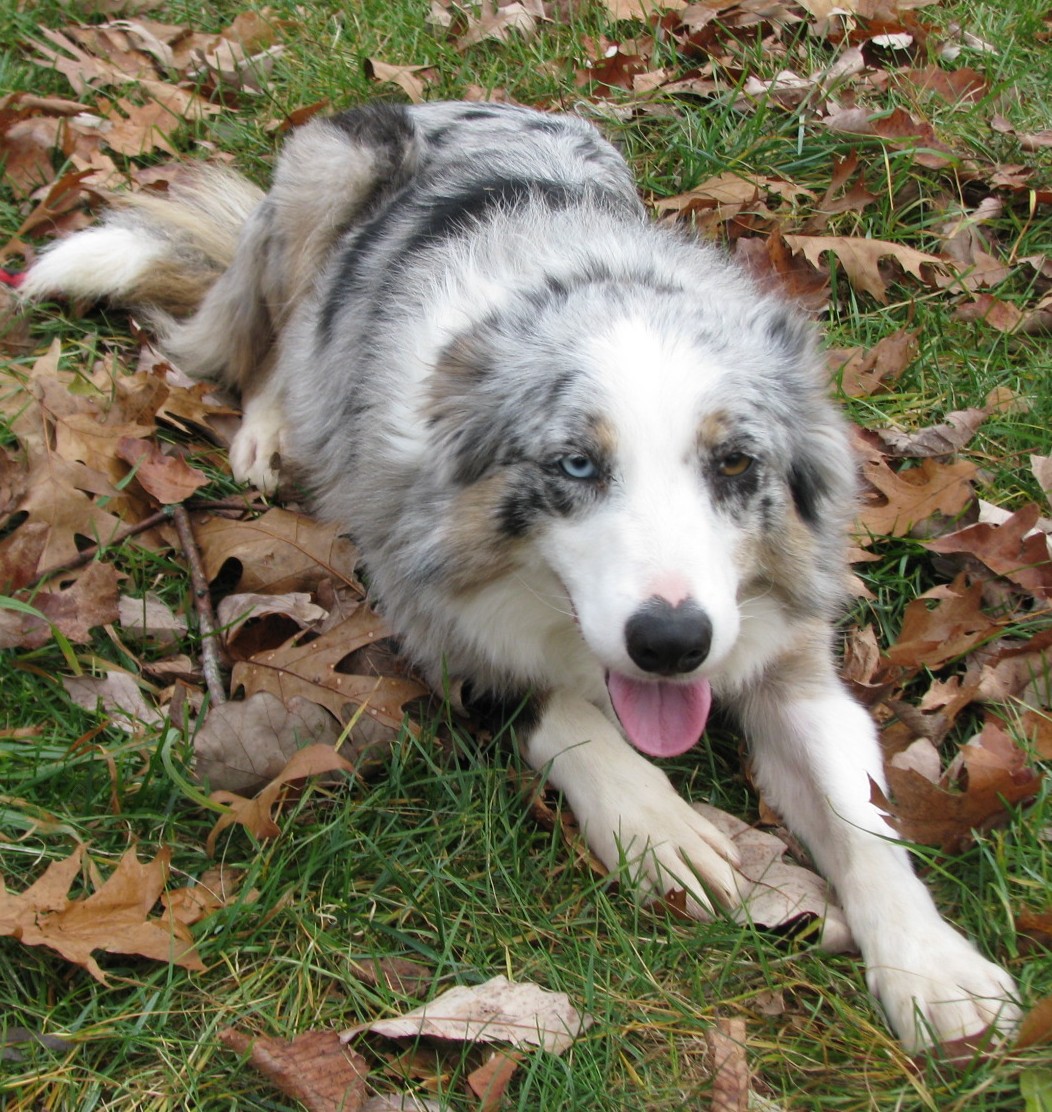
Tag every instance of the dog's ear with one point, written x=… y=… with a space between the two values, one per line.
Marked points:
x=822 y=472
x=822 y=469
x=463 y=414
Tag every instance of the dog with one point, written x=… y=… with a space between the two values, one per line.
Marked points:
x=590 y=466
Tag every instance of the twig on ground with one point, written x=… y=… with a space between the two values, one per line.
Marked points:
x=91 y=552
x=206 y=622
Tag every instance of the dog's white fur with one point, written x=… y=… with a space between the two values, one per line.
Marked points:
x=390 y=324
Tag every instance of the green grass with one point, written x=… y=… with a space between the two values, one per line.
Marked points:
x=436 y=859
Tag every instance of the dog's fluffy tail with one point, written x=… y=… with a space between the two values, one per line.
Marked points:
x=152 y=251
x=216 y=267
x=159 y=254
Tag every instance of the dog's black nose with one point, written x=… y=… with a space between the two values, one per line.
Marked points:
x=666 y=639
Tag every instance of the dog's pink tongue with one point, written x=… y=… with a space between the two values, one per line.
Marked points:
x=660 y=718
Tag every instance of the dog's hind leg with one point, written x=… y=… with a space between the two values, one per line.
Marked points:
x=629 y=812
x=815 y=751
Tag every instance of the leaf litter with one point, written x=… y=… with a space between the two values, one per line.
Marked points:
x=103 y=449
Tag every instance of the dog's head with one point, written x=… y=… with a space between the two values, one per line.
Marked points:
x=675 y=463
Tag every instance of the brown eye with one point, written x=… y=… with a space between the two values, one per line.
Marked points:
x=735 y=464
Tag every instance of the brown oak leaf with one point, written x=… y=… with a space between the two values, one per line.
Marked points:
x=115 y=918
x=314 y=1067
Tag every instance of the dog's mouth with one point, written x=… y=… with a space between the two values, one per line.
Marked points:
x=661 y=718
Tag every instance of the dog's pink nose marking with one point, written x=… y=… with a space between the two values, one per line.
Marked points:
x=670 y=587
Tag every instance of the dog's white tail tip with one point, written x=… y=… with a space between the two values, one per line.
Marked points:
x=103 y=262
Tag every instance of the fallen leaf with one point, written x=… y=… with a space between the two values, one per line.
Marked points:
x=498 y=1010
x=932 y=636
x=498 y=19
x=641 y=9
x=991 y=776
x=1041 y=466
x=310 y=667
x=244 y=744
x=862 y=373
x=729 y=1066
x=943 y=439
x=115 y=918
x=216 y=888
x=896 y=501
x=151 y=619
x=1036 y=924
x=314 y=1068
x=489 y=1081
x=1036 y=1027
x=776 y=894
x=75 y=611
x=237 y=609
x=257 y=814
x=278 y=552
x=998 y=314
x=1013 y=550
x=402 y=975
x=959 y=85
x=168 y=478
x=412 y=80
x=120 y=697
x=860 y=259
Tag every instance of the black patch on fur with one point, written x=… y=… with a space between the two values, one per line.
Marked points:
x=379 y=125
x=348 y=271
x=444 y=216
x=387 y=130
x=808 y=488
x=519 y=711
x=788 y=335
x=480 y=114
x=523 y=505
x=541 y=492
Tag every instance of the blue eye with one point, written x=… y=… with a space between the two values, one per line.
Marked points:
x=578 y=466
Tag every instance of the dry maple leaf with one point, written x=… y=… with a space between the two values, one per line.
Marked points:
x=167 y=478
x=899 y=500
x=151 y=619
x=992 y=774
x=244 y=744
x=774 y=893
x=499 y=19
x=933 y=636
x=115 y=918
x=943 y=439
x=1036 y=1027
x=120 y=696
x=1013 y=550
x=215 y=888
x=861 y=258
x=412 y=80
x=314 y=1068
x=489 y=1081
x=862 y=372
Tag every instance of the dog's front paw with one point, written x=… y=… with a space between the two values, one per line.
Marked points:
x=935 y=987
x=255 y=451
x=667 y=846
